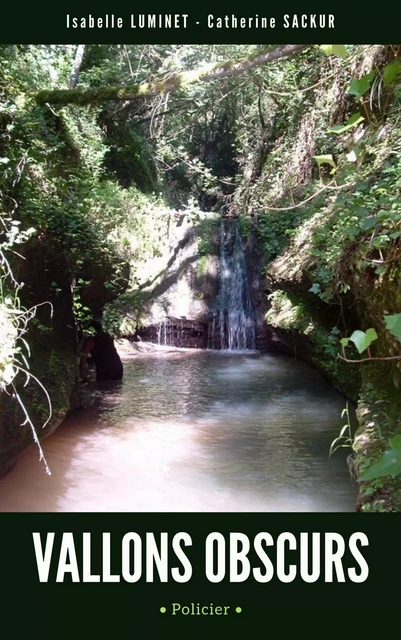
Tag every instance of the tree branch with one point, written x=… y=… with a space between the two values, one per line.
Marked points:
x=369 y=359
x=227 y=69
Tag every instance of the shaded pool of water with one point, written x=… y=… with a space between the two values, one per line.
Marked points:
x=194 y=431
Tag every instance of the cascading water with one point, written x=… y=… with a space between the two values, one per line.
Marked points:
x=164 y=331
x=233 y=325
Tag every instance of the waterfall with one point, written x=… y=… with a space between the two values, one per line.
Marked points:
x=170 y=333
x=230 y=323
x=233 y=325
x=162 y=333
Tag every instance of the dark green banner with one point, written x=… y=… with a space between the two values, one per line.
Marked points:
x=171 y=569
x=117 y=22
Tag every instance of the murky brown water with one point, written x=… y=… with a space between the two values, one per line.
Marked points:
x=194 y=431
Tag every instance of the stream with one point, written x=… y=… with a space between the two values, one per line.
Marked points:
x=191 y=430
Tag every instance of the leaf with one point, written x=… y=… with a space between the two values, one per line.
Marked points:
x=361 y=211
x=4 y=160
x=368 y=223
x=315 y=288
x=393 y=324
x=344 y=342
x=362 y=340
x=395 y=442
x=327 y=159
x=391 y=71
x=334 y=50
x=353 y=121
x=380 y=269
x=388 y=465
x=351 y=156
x=359 y=87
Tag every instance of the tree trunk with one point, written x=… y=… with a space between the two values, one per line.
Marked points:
x=76 y=67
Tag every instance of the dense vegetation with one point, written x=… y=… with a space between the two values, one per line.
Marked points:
x=305 y=143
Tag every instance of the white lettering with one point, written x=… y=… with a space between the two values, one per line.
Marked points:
x=43 y=559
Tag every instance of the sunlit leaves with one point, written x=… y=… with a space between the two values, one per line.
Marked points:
x=388 y=465
x=368 y=223
x=352 y=122
x=354 y=154
x=393 y=324
x=359 y=87
x=391 y=71
x=334 y=50
x=326 y=159
x=361 y=339
x=315 y=288
x=345 y=437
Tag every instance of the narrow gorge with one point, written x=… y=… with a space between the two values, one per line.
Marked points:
x=238 y=236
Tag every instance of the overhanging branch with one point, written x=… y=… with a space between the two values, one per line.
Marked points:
x=180 y=81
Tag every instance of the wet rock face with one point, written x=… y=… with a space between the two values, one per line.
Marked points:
x=177 y=332
x=53 y=342
x=104 y=283
x=255 y=266
x=187 y=285
x=189 y=289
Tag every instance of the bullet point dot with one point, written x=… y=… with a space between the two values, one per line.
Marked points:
x=163 y=609
x=238 y=609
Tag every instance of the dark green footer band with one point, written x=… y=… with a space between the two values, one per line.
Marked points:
x=175 y=570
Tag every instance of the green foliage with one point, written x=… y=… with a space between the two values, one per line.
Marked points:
x=14 y=322
x=352 y=122
x=63 y=188
x=288 y=312
x=122 y=316
x=315 y=288
x=245 y=225
x=346 y=240
x=325 y=159
x=369 y=214
x=393 y=324
x=361 y=339
x=391 y=72
x=345 y=438
x=129 y=157
x=206 y=230
x=359 y=87
x=334 y=50
x=388 y=465
x=275 y=230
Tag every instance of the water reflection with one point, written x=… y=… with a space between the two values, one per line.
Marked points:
x=194 y=431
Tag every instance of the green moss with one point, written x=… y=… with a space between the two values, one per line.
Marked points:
x=206 y=230
x=130 y=156
x=379 y=415
x=84 y=96
x=55 y=366
x=245 y=225
x=202 y=265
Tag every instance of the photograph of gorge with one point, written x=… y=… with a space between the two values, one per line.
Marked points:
x=200 y=307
